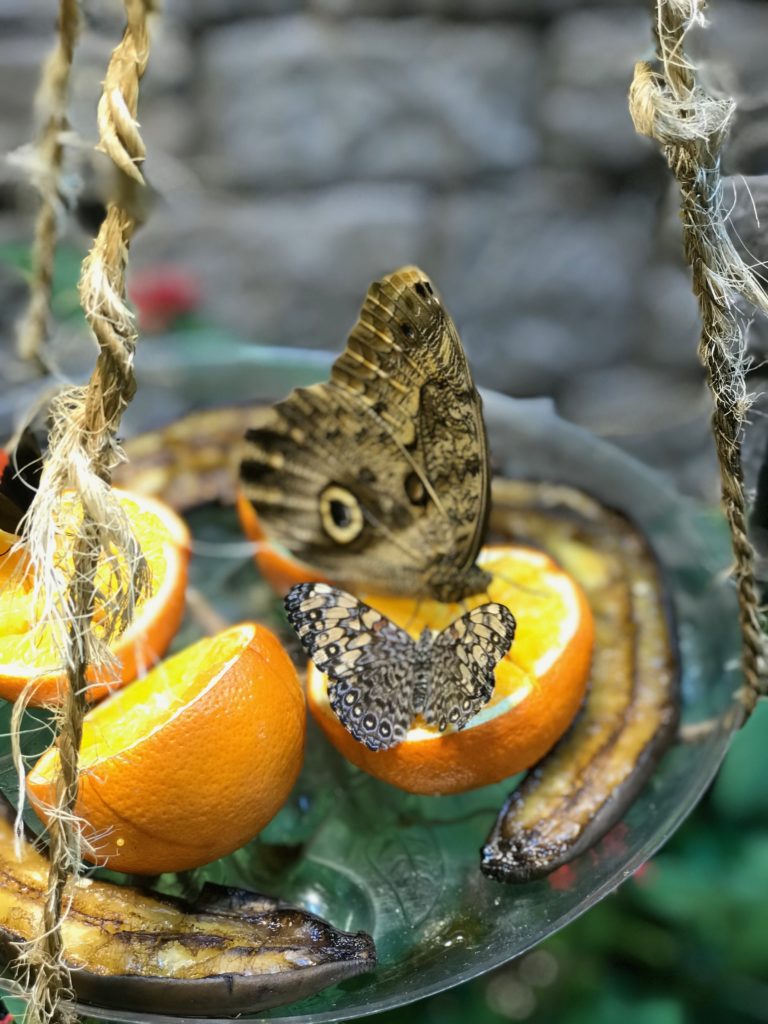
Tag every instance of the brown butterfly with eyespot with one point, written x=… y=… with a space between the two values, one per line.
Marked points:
x=379 y=477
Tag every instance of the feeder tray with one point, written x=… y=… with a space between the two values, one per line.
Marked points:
x=405 y=868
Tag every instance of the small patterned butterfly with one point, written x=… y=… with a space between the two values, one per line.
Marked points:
x=380 y=678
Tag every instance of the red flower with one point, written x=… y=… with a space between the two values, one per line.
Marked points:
x=645 y=872
x=161 y=294
x=562 y=879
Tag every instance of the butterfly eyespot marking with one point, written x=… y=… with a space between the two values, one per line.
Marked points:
x=369 y=722
x=332 y=649
x=385 y=729
x=466 y=705
x=415 y=490
x=406 y=330
x=340 y=514
x=357 y=711
x=454 y=715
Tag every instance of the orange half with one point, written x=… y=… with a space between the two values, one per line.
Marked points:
x=190 y=762
x=540 y=684
x=28 y=653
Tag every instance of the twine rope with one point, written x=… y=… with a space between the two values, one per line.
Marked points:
x=82 y=455
x=668 y=104
x=51 y=107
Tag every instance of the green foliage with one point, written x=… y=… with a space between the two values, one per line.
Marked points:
x=65 y=305
x=686 y=942
x=740 y=795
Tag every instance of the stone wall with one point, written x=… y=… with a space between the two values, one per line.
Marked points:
x=299 y=149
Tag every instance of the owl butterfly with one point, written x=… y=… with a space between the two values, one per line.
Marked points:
x=380 y=477
x=380 y=678
x=19 y=480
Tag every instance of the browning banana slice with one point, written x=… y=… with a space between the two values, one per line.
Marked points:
x=582 y=788
x=190 y=461
x=231 y=951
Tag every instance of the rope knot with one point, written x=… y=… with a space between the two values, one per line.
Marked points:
x=688 y=116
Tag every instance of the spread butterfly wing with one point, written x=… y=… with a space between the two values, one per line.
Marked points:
x=367 y=658
x=464 y=657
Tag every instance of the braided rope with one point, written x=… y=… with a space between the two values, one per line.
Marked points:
x=669 y=105
x=51 y=104
x=82 y=455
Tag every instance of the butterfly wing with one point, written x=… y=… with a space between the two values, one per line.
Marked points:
x=380 y=476
x=19 y=481
x=367 y=658
x=404 y=335
x=464 y=658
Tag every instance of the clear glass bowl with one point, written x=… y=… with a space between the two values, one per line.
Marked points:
x=406 y=868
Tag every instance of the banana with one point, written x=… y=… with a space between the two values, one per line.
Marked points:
x=231 y=951
x=584 y=785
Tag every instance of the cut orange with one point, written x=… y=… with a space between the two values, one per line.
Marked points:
x=190 y=762
x=278 y=567
x=539 y=684
x=29 y=654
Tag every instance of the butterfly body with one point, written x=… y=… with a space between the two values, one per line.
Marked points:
x=380 y=678
x=379 y=477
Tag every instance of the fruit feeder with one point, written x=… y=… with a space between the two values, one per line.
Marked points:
x=391 y=874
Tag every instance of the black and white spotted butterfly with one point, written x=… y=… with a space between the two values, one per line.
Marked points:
x=380 y=678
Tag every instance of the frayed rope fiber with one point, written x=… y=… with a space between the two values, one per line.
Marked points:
x=668 y=103
x=68 y=538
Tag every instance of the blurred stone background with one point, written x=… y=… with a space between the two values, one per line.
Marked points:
x=297 y=150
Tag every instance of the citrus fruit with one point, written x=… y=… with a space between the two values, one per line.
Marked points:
x=539 y=684
x=28 y=653
x=278 y=567
x=539 y=688
x=190 y=762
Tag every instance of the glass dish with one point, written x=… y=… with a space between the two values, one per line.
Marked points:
x=406 y=868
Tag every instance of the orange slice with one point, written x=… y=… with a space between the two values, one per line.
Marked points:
x=27 y=653
x=540 y=684
x=190 y=762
